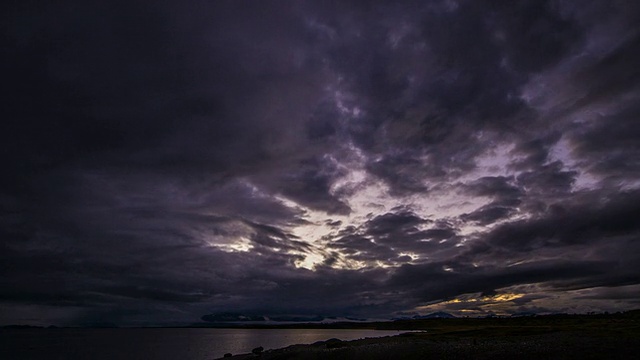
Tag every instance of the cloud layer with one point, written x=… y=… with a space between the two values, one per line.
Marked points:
x=164 y=161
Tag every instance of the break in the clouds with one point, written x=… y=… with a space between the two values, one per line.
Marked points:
x=166 y=160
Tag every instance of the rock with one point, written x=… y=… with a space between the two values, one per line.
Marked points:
x=334 y=343
x=228 y=355
x=257 y=350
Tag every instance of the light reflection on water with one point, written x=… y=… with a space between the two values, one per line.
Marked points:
x=187 y=344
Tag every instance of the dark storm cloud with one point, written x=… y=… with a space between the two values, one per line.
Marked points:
x=441 y=73
x=389 y=222
x=564 y=226
x=402 y=230
x=274 y=238
x=611 y=145
x=389 y=237
x=162 y=161
x=131 y=121
x=498 y=187
x=613 y=74
x=488 y=214
x=432 y=282
x=310 y=185
x=619 y=293
x=549 y=178
x=535 y=152
x=160 y=88
x=604 y=226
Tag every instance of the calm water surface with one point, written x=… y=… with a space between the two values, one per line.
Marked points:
x=185 y=344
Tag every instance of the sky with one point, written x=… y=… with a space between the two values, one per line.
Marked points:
x=163 y=160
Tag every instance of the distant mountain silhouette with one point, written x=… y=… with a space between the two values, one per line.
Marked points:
x=20 y=326
x=296 y=318
x=435 y=315
x=231 y=317
x=239 y=317
x=524 y=314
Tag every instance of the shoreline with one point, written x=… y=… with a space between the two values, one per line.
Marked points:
x=548 y=346
x=599 y=340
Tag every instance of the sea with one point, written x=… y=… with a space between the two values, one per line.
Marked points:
x=159 y=343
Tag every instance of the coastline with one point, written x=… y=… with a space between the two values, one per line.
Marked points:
x=600 y=340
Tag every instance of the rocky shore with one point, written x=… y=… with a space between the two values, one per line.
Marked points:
x=492 y=344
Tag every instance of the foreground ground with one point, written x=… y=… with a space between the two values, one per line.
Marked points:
x=530 y=338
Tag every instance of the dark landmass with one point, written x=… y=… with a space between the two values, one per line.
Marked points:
x=292 y=325
x=228 y=316
x=615 y=336
x=424 y=322
x=435 y=315
x=419 y=322
x=239 y=317
x=22 y=327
